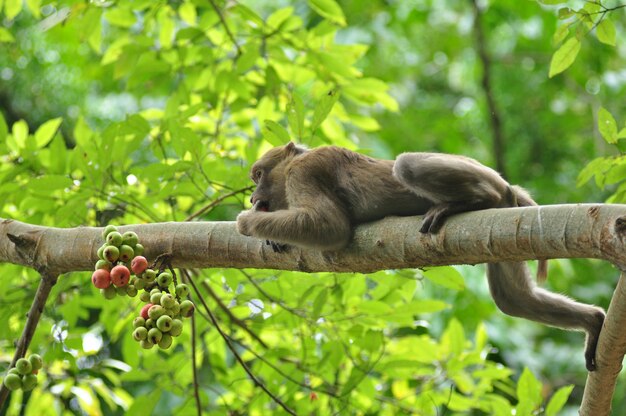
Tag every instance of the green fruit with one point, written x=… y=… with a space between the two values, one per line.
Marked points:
x=29 y=382
x=144 y=297
x=114 y=239
x=166 y=341
x=130 y=238
x=182 y=290
x=146 y=344
x=164 y=279
x=36 y=361
x=126 y=253
x=101 y=252
x=141 y=333
x=164 y=323
x=111 y=253
x=186 y=308
x=177 y=327
x=150 y=275
x=150 y=323
x=131 y=291
x=156 y=311
x=175 y=309
x=109 y=292
x=167 y=300
x=13 y=382
x=14 y=371
x=107 y=230
x=23 y=366
x=121 y=290
x=140 y=284
x=103 y=264
x=139 y=322
x=155 y=298
x=139 y=249
x=155 y=335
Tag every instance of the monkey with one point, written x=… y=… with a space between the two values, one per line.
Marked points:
x=313 y=198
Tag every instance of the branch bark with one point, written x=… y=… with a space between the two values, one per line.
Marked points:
x=513 y=234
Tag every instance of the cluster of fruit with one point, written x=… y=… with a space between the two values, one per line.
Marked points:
x=24 y=374
x=161 y=318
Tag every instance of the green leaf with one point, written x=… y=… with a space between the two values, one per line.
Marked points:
x=558 y=400
x=552 y=2
x=20 y=133
x=606 y=32
x=528 y=393
x=328 y=9
x=46 y=132
x=295 y=116
x=446 y=276
x=454 y=337
x=120 y=16
x=323 y=107
x=167 y=27
x=187 y=12
x=607 y=126
x=560 y=34
x=12 y=8
x=35 y=7
x=596 y=167
x=565 y=12
x=4 y=129
x=620 y=135
x=564 y=57
x=6 y=36
x=275 y=133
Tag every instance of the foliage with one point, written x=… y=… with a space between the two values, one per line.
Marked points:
x=126 y=112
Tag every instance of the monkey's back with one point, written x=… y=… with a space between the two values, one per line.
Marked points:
x=365 y=186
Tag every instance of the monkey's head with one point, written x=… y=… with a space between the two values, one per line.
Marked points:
x=269 y=174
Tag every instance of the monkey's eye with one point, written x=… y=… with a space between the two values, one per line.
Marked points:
x=257 y=175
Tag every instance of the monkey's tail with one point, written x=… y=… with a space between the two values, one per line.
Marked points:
x=521 y=198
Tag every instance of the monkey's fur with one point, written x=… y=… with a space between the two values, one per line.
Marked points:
x=314 y=198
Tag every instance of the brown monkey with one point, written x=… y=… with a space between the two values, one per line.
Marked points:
x=314 y=198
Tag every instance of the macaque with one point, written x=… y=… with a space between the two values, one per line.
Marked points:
x=314 y=199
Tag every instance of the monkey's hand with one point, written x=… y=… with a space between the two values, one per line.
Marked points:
x=245 y=222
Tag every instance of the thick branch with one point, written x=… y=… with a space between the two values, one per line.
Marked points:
x=513 y=234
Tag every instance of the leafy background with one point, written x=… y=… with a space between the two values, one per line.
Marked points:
x=127 y=112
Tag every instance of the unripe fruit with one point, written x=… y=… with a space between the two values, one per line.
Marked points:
x=164 y=279
x=101 y=278
x=150 y=275
x=177 y=327
x=144 y=311
x=29 y=382
x=36 y=361
x=146 y=344
x=14 y=371
x=140 y=333
x=23 y=366
x=155 y=290
x=126 y=253
x=114 y=239
x=13 y=382
x=150 y=323
x=164 y=323
x=101 y=252
x=139 y=249
x=120 y=275
x=103 y=264
x=166 y=341
x=156 y=311
x=167 y=301
x=130 y=238
x=111 y=253
x=186 y=308
x=107 y=230
x=144 y=297
x=140 y=284
x=182 y=290
x=138 y=322
x=155 y=335
x=175 y=309
x=139 y=264
x=131 y=291
x=156 y=298
x=109 y=292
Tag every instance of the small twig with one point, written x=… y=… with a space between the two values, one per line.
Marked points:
x=216 y=202
x=274 y=300
x=43 y=292
x=194 y=364
x=226 y=28
x=233 y=350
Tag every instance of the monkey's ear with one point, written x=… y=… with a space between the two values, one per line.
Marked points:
x=295 y=149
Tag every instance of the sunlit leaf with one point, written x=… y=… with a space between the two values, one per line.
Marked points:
x=46 y=132
x=564 y=57
x=446 y=276
x=558 y=400
x=6 y=36
x=12 y=8
x=606 y=32
x=329 y=9
x=323 y=108
x=607 y=126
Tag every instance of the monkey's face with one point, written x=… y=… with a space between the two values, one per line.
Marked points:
x=269 y=175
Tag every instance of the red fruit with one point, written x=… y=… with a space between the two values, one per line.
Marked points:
x=120 y=275
x=144 y=311
x=313 y=396
x=101 y=278
x=139 y=265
